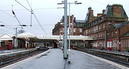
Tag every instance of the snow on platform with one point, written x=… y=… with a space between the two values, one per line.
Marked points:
x=53 y=59
x=13 y=51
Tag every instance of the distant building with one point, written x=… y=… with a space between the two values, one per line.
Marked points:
x=110 y=29
x=76 y=26
x=76 y=29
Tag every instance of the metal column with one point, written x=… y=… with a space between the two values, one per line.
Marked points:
x=65 y=30
x=15 y=40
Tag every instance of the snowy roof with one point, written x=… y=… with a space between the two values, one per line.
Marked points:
x=26 y=35
x=6 y=37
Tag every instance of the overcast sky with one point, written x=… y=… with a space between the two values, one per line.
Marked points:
x=47 y=13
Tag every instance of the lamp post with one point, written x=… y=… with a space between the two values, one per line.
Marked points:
x=65 y=29
x=65 y=25
x=15 y=39
x=71 y=22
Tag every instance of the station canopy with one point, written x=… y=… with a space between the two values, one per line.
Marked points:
x=26 y=35
x=56 y=37
x=6 y=37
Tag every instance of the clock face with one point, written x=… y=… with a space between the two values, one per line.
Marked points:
x=117 y=11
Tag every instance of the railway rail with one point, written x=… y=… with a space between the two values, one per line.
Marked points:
x=15 y=57
x=118 y=58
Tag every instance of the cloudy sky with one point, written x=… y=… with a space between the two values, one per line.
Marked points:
x=47 y=13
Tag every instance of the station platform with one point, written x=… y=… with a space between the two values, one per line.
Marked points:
x=14 y=51
x=53 y=59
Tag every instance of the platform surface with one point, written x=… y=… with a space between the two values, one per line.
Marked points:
x=53 y=59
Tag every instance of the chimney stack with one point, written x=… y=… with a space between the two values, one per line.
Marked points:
x=103 y=11
x=90 y=11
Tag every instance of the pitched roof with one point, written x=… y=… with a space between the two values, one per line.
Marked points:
x=110 y=13
x=6 y=37
x=26 y=35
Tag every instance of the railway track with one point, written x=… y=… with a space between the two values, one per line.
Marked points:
x=120 y=59
x=114 y=59
x=10 y=59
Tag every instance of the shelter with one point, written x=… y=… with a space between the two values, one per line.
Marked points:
x=6 y=41
x=25 y=40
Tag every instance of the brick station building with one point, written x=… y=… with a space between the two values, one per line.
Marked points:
x=110 y=29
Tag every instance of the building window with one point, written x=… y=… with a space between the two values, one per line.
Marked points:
x=96 y=28
x=128 y=44
x=103 y=26
x=74 y=30
x=80 y=30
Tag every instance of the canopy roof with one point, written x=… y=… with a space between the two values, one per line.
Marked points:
x=6 y=37
x=26 y=35
x=61 y=37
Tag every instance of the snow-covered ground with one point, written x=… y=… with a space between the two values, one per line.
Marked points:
x=6 y=52
x=53 y=59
